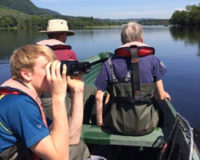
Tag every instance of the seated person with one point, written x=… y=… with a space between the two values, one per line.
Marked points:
x=57 y=32
x=130 y=80
x=23 y=127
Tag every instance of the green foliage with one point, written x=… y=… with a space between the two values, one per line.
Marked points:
x=34 y=22
x=5 y=11
x=84 y=22
x=23 y=14
x=189 y=17
x=27 y=7
x=154 y=21
x=8 y=21
x=28 y=16
x=187 y=34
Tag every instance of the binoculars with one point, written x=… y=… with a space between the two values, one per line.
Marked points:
x=75 y=67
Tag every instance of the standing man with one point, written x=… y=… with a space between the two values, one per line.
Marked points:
x=57 y=32
x=23 y=125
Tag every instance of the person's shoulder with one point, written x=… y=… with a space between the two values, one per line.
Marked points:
x=20 y=102
x=157 y=62
x=154 y=58
x=50 y=42
x=119 y=58
x=17 y=98
x=150 y=58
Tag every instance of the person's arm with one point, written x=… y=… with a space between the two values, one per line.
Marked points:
x=161 y=92
x=76 y=86
x=56 y=145
x=99 y=107
x=101 y=84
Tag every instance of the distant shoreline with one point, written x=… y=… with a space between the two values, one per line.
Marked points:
x=74 y=28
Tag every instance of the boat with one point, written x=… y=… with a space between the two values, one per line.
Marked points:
x=173 y=139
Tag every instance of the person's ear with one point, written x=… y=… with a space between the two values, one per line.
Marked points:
x=26 y=74
x=64 y=37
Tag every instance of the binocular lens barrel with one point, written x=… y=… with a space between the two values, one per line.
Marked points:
x=75 y=67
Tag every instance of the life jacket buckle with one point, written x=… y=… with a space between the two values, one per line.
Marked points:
x=134 y=60
x=137 y=92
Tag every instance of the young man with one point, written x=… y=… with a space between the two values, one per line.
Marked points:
x=130 y=81
x=57 y=32
x=34 y=70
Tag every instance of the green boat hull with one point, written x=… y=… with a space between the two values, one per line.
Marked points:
x=172 y=125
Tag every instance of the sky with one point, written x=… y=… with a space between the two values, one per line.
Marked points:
x=116 y=9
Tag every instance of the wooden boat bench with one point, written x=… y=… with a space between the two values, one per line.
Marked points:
x=93 y=134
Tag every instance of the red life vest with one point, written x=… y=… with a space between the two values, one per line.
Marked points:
x=63 y=52
x=141 y=50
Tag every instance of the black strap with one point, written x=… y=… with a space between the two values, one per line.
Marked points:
x=131 y=100
x=135 y=73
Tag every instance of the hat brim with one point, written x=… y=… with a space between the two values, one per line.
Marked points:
x=69 y=33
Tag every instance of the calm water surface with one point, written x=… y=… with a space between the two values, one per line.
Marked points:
x=179 y=49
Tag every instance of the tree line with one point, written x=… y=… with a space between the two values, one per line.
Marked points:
x=188 y=17
x=40 y=22
x=154 y=21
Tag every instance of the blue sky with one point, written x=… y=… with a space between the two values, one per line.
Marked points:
x=116 y=8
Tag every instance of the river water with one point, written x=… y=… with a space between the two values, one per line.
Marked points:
x=179 y=49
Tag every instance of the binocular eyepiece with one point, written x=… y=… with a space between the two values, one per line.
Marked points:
x=75 y=67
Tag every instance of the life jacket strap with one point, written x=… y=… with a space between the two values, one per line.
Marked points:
x=59 y=47
x=130 y=100
x=135 y=73
x=5 y=91
x=114 y=78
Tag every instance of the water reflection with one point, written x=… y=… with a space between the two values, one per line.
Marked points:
x=188 y=35
x=86 y=42
x=12 y=39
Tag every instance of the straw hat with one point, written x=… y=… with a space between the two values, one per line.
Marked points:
x=58 y=25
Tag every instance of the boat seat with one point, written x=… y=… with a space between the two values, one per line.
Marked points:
x=93 y=134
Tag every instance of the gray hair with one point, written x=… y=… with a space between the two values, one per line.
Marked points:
x=131 y=32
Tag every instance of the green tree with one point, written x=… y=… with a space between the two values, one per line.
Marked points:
x=189 y=17
x=179 y=18
x=8 y=21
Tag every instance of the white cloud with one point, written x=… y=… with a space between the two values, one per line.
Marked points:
x=179 y=9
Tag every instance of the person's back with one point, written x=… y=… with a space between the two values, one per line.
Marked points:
x=57 y=32
x=131 y=83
